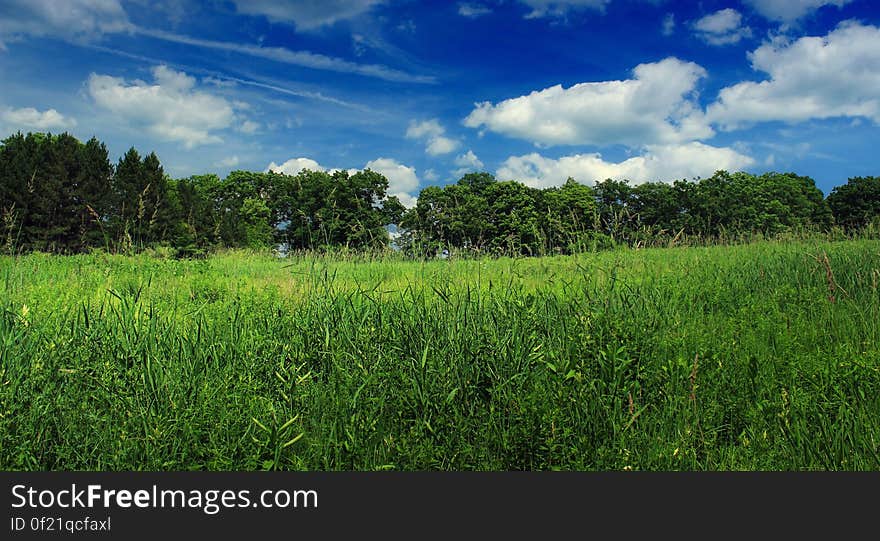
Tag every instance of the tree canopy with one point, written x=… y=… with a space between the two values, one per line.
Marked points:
x=59 y=194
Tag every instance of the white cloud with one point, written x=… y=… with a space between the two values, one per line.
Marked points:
x=171 y=108
x=230 y=161
x=427 y=128
x=249 y=127
x=441 y=145
x=664 y=163
x=472 y=11
x=658 y=105
x=467 y=163
x=837 y=75
x=788 y=11
x=76 y=20
x=430 y=175
x=468 y=159
x=309 y=14
x=436 y=142
x=669 y=24
x=402 y=180
x=295 y=165
x=724 y=27
x=30 y=118
x=560 y=8
x=407 y=200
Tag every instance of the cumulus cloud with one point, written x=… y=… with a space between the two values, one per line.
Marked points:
x=77 y=20
x=664 y=163
x=29 y=118
x=426 y=128
x=402 y=180
x=468 y=159
x=434 y=135
x=837 y=75
x=788 y=11
x=560 y=8
x=467 y=162
x=657 y=106
x=294 y=166
x=472 y=11
x=309 y=14
x=172 y=108
x=441 y=145
x=724 y=27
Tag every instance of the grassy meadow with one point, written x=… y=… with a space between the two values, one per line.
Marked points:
x=763 y=356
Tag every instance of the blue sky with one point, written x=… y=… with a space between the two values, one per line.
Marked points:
x=532 y=90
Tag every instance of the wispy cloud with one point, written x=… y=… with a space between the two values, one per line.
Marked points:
x=307 y=15
x=291 y=92
x=224 y=80
x=230 y=161
x=472 y=11
x=305 y=59
x=560 y=8
x=669 y=24
x=788 y=11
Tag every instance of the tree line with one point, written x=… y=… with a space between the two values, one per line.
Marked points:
x=61 y=195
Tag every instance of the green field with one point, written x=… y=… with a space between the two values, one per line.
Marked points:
x=756 y=357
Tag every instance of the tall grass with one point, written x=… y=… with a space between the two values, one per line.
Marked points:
x=740 y=357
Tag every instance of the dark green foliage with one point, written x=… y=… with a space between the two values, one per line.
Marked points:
x=483 y=215
x=95 y=195
x=856 y=203
x=613 y=206
x=770 y=203
x=143 y=206
x=52 y=187
x=320 y=210
x=567 y=216
x=196 y=214
x=57 y=194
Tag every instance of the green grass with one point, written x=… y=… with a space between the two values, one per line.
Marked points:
x=722 y=358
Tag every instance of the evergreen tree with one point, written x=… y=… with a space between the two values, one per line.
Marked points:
x=94 y=195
